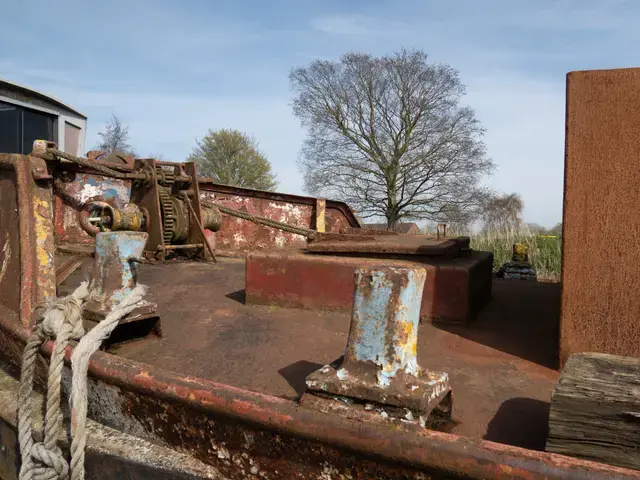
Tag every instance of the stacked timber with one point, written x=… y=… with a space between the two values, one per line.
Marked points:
x=595 y=410
x=517 y=271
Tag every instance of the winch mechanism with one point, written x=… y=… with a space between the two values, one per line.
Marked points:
x=165 y=204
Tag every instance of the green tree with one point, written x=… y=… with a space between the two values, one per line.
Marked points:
x=232 y=158
x=389 y=136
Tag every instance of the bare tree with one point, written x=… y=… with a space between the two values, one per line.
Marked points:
x=459 y=221
x=503 y=212
x=388 y=135
x=115 y=138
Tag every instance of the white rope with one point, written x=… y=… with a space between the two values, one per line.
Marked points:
x=89 y=344
x=62 y=320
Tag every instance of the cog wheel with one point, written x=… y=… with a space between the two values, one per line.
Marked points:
x=165 y=177
x=168 y=215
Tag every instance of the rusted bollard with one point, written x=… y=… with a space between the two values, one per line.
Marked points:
x=380 y=371
x=114 y=273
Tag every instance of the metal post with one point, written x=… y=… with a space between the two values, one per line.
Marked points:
x=380 y=363
x=321 y=207
x=115 y=272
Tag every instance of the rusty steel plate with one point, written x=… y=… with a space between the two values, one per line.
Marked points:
x=389 y=244
x=209 y=332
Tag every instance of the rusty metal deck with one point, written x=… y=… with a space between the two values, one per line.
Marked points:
x=389 y=244
x=501 y=367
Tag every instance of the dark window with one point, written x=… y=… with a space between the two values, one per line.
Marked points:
x=9 y=128
x=19 y=127
x=35 y=126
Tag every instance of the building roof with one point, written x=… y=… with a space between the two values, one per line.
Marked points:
x=39 y=95
x=400 y=227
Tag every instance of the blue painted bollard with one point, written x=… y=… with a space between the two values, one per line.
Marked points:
x=380 y=362
x=114 y=273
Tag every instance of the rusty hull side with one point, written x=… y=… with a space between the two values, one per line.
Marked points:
x=74 y=187
x=243 y=433
x=27 y=185
x=600 y=276
x=9 y=240
x=237 y=237
x=455 y=289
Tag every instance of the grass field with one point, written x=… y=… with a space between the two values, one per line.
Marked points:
x=545 y=253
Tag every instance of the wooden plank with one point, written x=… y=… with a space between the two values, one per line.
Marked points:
x=595 y=410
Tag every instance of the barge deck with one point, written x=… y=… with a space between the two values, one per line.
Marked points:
x=501 y=365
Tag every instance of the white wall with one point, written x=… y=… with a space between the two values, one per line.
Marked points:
x=81 y=123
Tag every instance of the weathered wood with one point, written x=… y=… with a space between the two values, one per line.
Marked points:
x=595 y=410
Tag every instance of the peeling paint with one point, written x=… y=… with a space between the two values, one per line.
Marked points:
x=73 y=194
x=238 y=236
x=88 y=192
x=377 y=290
x=380 y=364
x=44 y=254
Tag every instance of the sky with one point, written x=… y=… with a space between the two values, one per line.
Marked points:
x=174 y=70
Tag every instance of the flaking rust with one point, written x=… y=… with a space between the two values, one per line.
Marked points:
x=237 y=236
x=380 y=368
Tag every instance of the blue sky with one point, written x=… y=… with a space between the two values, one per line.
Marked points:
x=173 y=70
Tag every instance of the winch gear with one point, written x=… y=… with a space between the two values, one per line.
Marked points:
x=168 y=215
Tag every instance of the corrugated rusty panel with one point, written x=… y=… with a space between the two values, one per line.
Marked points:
x=454 y=290
x=73 y=190
x=600 y=276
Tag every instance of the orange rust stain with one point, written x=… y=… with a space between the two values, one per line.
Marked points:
x=262 y=413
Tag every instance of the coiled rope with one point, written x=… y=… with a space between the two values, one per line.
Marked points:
x=62 y=321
